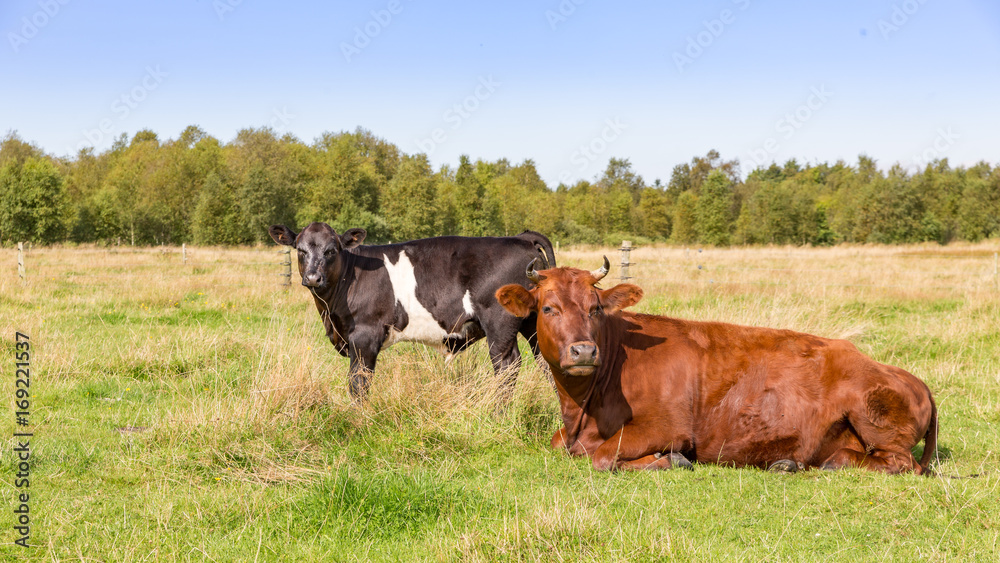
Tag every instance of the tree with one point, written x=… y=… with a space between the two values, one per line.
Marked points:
x=410 y=208
x=654 y=214
x=685 y=229
x=979 y=211
x=145 y=136
x=84 y=178
x=941 y=189
x=528 y=203
x=32 y=201
x=713 y=210
x=384 y=156
x=476 y=214
x=619 y=176
x=151 y=191
x=344 y=188
x=703 y=166
x=514 y=210
x=216 y=218
x=258 y=205
x=270 y=173
x=13 y=147
x=620 y=213
x=118 y=203
x=891 y=211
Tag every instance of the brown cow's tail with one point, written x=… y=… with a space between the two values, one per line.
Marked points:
x=930 y=440
x=930 y=448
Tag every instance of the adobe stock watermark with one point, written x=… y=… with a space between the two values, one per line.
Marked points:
x=122 y=108
x=564 y=10
x=900 y=16
x=281 y=119
x=587 y=153
x=458 y=114
x=365 y=33
x=31 y=25
x=790 y=123
x=225 y=7
x=698 y=43
x=943 y=141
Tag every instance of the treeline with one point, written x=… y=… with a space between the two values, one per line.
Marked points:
x=196 y=189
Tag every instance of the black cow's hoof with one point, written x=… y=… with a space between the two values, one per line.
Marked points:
x=785 y=466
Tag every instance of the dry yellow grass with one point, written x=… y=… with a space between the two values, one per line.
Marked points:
x=797 y=288
x=205 y=391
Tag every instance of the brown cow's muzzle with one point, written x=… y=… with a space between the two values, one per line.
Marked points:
x=581 y=359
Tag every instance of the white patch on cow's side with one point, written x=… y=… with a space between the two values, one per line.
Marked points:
x=421 y=326
x=467 y=303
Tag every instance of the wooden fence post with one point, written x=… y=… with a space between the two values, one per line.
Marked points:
x=184 y=252
x=286 y=267
x=20 y=263
x=996 y=272
x=626 y=249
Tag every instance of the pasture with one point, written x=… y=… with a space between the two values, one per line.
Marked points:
x=197 y=412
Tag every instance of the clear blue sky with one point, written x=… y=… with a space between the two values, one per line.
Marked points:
x=898 y=80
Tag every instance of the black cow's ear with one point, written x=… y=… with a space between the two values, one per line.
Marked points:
x=352 y=238
x=282 y=235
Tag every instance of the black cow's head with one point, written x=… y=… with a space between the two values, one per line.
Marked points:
x=319 y=249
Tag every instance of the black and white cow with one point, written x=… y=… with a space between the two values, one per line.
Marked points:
x=439 y=291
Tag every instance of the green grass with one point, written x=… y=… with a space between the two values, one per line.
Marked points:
x=174 y=421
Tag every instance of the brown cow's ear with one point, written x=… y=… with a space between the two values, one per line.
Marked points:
x=517 y=300
x=620 y=296
x=352 y=238
x=282 y=235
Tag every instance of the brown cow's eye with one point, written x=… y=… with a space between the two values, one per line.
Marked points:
x=548 y=310
x=596 y=311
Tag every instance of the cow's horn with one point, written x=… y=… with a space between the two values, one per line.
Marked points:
x=603 y=271
x=531 y=272
x=545 y=261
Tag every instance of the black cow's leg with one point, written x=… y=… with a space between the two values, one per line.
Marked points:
x=362 y=353
x=361 y=367
x=529 y=331
x=506 y=359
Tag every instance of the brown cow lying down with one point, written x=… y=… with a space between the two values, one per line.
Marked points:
x=650 y=392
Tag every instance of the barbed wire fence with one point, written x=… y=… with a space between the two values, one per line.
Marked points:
x=270 y=266
x=267 y=266
x=715 y=275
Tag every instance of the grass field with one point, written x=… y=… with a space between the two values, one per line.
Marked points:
x=196 y=412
